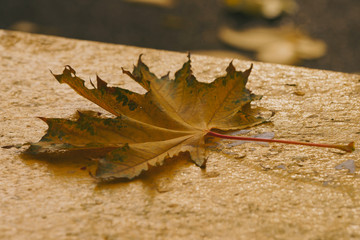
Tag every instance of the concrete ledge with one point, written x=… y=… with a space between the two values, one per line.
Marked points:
x=253 y=192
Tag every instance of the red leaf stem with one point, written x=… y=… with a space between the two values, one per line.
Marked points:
x=347 y=148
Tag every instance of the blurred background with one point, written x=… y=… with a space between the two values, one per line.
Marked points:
x=323 y=34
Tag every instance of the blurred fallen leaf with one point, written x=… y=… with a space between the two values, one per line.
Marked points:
x=31 y=27
x=281 y=51
x=266 y=8
x=221 y=54
x=284 y=45
x=160 y=3
x=25 y=26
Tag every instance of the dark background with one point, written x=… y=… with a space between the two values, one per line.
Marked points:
x=190 y=25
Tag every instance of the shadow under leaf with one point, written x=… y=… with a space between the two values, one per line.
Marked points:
x=83 y=163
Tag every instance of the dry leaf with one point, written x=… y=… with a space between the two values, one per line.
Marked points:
x=266 y=8
x=173 y=116
x=159 y=3
x=284 y=45
x=221 y=54
x=25 y=26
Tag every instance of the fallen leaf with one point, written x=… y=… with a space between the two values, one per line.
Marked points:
x=266 y=8
x=25 y=26
x=173 y=116
x=284 y=45
x=221 y=54
x=159 y=3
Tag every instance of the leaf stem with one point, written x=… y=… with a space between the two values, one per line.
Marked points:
x=347 y=148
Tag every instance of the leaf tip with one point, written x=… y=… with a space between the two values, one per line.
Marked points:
x=230 y=68
x=68 y=71
x=128 y=73
x=92 y=84
x=189 y=56
x=166 y=76
x=140 y=59
x=248 y=71
x=43 y=119
x=101 y=84
x=58 y=77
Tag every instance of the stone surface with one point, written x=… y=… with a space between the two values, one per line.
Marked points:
x=242 y=194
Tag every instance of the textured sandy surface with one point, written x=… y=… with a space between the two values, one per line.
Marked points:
x=251 y=192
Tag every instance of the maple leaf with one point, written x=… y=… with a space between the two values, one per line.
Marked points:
x=173 y=116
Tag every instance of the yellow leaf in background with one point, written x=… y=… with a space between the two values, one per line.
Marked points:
x=284 y=45
x=159 y=3
x=221 y=54
x=266 y=8
x=282 y=52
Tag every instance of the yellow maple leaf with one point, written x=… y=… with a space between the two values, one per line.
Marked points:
x=173 y=116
